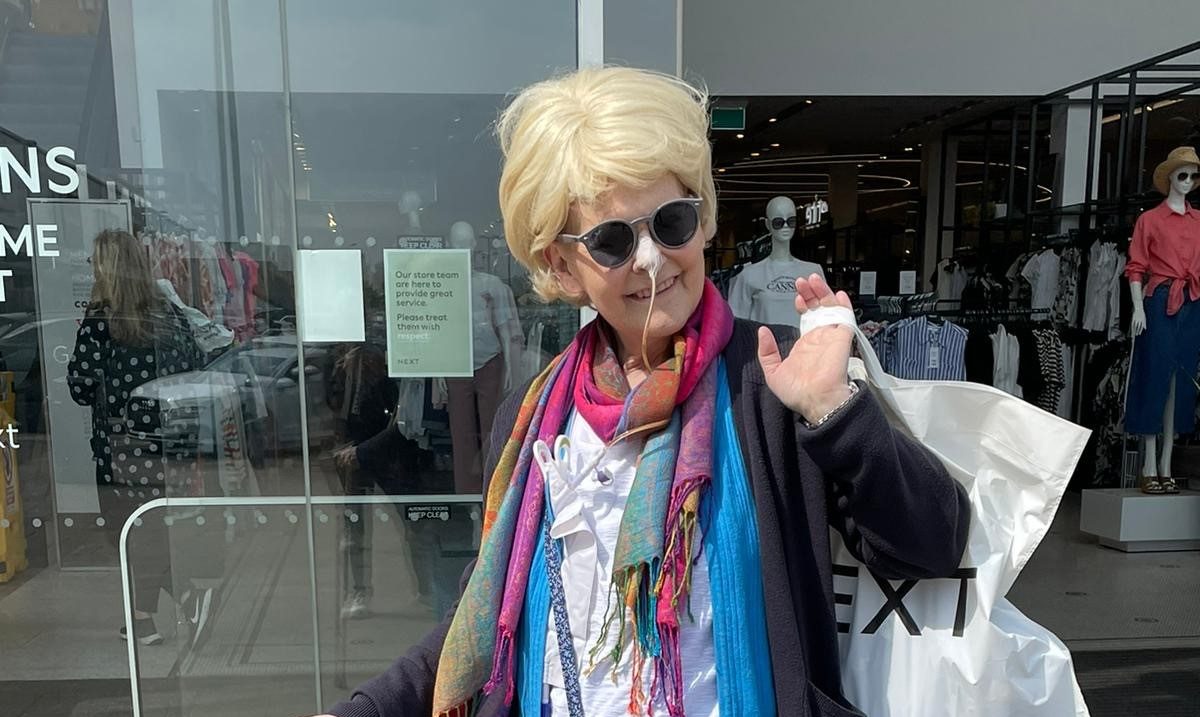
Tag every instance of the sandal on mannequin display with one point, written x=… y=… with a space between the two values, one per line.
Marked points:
x=766 y=290
x=1164 y=281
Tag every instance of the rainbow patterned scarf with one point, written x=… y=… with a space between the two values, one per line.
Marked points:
x=652 y=564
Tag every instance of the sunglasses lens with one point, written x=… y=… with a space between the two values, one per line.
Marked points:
x=611 y=243
x=675 y=223
x=791 y=222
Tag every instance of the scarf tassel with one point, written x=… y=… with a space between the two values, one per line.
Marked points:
x=502 y=667
x=466 y=709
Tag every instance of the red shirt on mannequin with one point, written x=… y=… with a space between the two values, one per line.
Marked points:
x=1166 y=248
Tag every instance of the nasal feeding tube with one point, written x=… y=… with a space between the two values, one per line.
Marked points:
x=649 y=259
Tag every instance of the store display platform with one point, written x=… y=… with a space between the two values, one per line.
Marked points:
x=1129 y=520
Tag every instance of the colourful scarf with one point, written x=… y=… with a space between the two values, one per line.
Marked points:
x=652 y=563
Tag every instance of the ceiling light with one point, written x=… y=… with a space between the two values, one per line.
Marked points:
x=808 y=102
x=741 y=136
x=883 y=156
x=774 y=144
x=773 y=119
x=908 y=149
x=754 y=154
x=721 y=170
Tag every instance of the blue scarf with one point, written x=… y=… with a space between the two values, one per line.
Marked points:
x=744 y=686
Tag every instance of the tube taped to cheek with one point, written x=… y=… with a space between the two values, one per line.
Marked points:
x=648 y=257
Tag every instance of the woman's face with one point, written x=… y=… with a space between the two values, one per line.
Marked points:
x=621 y=294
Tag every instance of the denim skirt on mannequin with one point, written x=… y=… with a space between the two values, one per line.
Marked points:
x=1170 y=346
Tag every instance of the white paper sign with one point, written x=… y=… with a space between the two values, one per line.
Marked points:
x=329 y=305
x=908 y=282
x=866 y=283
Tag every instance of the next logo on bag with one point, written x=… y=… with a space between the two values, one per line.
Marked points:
x=892 y=593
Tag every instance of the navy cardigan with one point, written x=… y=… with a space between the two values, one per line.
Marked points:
x=893 y=502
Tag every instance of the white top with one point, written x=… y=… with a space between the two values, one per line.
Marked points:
x=1042 y=274
x=766 y=290
x=1006 y=353
x=494 y=316
x=951 y=280
x=588 y=518
x=1102 y=303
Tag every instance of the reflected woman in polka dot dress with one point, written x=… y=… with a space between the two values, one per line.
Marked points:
x=130 y=335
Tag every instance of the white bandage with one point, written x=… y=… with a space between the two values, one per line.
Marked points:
x=827 y=316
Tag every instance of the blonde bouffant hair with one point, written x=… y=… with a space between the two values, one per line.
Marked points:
x=574 y=138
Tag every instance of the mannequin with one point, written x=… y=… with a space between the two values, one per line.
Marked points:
x=498 y=341
x=410 y=209
x=766 y=290
x=1164 y=282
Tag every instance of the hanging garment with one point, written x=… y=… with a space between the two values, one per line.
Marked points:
x=1110 y=364
x=249 y=284
x=951 y=280
x=1050 y=366
x=1114 y=303
x=1066 y=397
x=991 y=660
x=1103 y=280
x=980 y=357
x=1007 y=351
x=1066 y=298
x=922 y=349
x=1042 y=274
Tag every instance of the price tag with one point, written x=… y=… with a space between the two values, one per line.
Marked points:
x=935 y=357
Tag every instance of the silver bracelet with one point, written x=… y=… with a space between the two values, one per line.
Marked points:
x=836 y=409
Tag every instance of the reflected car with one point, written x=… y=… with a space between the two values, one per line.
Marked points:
x=262 y=378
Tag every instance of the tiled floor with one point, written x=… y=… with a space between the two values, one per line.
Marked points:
x=59 y=656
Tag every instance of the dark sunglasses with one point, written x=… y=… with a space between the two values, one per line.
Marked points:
x=1183 y=176
x=611 y=243
x=780 y=222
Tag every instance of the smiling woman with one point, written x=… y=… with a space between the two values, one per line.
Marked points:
x=687 y=444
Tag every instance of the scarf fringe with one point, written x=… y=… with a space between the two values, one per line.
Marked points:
x=466 y=709
x=638 y=590
x=502 y=667
x=668 y=672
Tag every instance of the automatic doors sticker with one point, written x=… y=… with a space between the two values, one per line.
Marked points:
x=427 y=512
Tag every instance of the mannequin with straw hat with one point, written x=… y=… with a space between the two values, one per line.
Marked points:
x=1164 y=281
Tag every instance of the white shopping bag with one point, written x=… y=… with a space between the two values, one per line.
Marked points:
x=957 y=647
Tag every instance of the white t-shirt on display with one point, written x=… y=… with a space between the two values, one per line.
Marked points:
x=588 y=520
x=766 y=290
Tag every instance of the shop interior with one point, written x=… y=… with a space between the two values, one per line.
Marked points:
x=985 y=219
